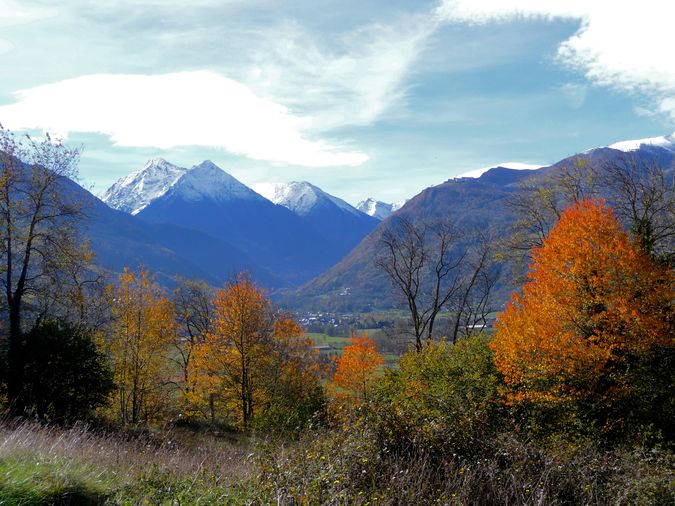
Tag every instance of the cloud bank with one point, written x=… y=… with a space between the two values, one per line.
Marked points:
x=624 y=45
x=177 y=109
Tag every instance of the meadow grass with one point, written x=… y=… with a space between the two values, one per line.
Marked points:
x=49 y=465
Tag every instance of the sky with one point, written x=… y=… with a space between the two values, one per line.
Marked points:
x=380 y=98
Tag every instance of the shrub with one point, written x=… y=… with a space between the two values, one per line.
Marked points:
x=444 y=398
x=65 y=375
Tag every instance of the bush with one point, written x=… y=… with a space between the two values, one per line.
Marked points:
x=291 y=414
x=444 y=398
x=65 y=375
x=346 y=467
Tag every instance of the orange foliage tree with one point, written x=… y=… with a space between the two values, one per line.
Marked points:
x=356 y=367
x=594 y=299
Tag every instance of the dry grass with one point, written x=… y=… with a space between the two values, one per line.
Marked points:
x=46 y=465
x=42 y=465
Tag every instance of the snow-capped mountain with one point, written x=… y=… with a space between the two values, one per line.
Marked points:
x=340 y=223
x=208 y=199
x=207 y=181
x=134 y=192
x=301 y=197
x=378 y=209
x=664 y=141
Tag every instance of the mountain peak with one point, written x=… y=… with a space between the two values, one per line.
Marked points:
x=378 y=209
x=301 y=197
x=207 y=181
x=504 y=165
x=663 y=141
x=208 y=165
x=134 y=192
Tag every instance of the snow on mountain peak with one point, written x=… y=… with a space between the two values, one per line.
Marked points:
x=663 y=141
x=299 y=196
x=378 y=209
x=208 y=181
x=134 y=192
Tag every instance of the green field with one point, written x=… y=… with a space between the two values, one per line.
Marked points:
x=337 y=343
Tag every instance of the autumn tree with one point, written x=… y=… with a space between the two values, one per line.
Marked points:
x=142 y=331
x=37 y=227
x=226 y=366
x=294 y=392
x=192 y=303
x=356 y=367
x=594 y=301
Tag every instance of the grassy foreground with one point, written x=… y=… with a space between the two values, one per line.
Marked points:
x=44 y=465
x=50 y=466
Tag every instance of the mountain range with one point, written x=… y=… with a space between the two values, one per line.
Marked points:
x=342 y=225
x=478 y=201
x=202 y=222
x=296 y=234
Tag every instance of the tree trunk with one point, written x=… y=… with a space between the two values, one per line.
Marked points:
x=15 y=359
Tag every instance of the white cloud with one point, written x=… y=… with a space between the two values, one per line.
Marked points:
x=622 y=44
x=353 y=80
x=11 y=13
x=178 y=109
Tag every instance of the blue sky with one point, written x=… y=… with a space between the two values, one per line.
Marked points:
x=379 y=98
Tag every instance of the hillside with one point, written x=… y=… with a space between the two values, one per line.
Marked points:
x=472 y=202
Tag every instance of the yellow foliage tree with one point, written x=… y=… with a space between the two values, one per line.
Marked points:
x=294 y=375
x=226 y=366
x=594 y=299
x=142 y=330
x=254 y=364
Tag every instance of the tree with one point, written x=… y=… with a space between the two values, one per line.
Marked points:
x=643 y=194
x=66 y=376
x=638 y=186
x=594 y=301
x=192 y=303
x=473 y=303
x=429 y=264
x=143 y=329
x=294 y=393
x=227 y=365
x=541 y=200
x=356 y=367
x=37 y=226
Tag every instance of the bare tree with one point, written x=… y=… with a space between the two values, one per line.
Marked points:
x=427 y=263
x=192 y=303
x=75 y=290
x=643 y=194
x=540 y=201
x=37 y=225
x=472 y=307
